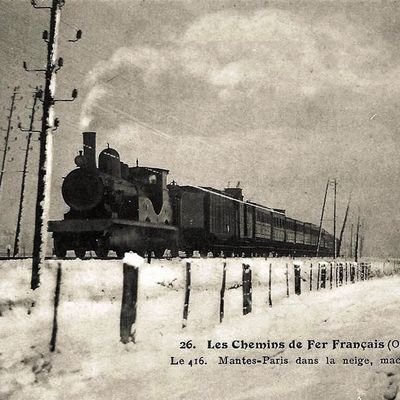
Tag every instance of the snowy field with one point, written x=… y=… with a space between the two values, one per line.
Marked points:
x=91 y=363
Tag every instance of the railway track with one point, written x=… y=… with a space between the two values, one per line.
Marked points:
x=57 y=258
x=2 y=258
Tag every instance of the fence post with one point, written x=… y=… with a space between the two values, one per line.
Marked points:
x=297 y=279
x=222 y=294
x=129 y=297
x=352 y=273
x=56 y=303
x=318 y=275
x=310 y=277
x=323 y=276
x=246 y=286
x=336 y=274
x=187 y=295
x=362 y=271
x=346 y=277
x=270 y=285
x=287 y=280
x=355 y=272
x=330 y=274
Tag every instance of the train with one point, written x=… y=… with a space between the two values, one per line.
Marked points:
x=121 y=208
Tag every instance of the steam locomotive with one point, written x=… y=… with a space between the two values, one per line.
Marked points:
x=117 y=207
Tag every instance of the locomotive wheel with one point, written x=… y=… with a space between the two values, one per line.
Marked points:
x=158 y=252
x=102 y=247
x=203 y=253
x=60 y=249
x=174 y=251
x=80 y=252
x=120 y=253
x=61 y=253
x=101 y=252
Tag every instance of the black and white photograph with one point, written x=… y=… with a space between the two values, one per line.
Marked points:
x=200 y=199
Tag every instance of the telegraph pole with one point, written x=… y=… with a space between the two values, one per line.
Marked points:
x=49 y=124
x=362 y=231
x=45 y=140
x=38 y=94
x=357 y=239
x=322 y=217
x=334 y=217
x=351 y=241
x=343 y=226
x=8 y=131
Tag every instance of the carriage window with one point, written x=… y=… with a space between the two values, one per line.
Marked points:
x=152 y=179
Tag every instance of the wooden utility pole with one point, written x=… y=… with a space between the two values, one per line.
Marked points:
x=351 y=241
x=45 y=140
x=343 y=226
x=49 y=124
x=8 y=131
x=357 y=239
x=322 y=217
x=334 y=218
x=362 y=231
x=38 y=94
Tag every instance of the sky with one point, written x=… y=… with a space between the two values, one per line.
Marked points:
x=276 y=95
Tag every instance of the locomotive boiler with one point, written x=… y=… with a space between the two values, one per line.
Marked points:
x=113 y=206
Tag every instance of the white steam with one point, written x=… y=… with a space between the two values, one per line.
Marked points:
x=96 y=93
x=149 y=61
x=243 y=54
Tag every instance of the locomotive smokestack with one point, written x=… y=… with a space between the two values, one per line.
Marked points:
x=89 y=149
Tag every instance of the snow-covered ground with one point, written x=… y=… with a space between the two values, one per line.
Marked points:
x=91 y=363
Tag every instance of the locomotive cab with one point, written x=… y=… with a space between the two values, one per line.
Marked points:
x=154 y=186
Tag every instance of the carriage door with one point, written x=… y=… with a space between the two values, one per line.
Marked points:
x=245 y=221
